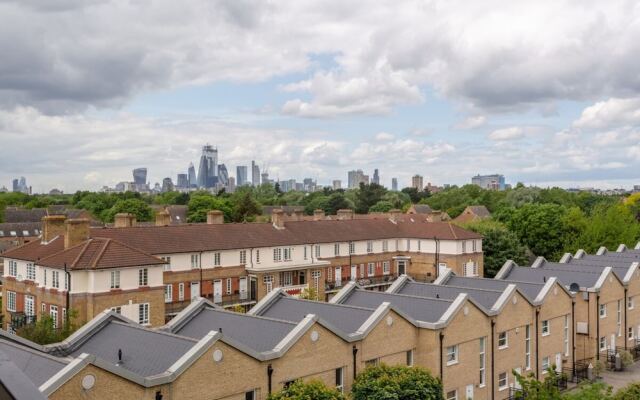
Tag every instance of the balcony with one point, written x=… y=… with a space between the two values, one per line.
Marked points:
x=295 y=290
x=370 y=282
x=243 y=298
x=20 y=319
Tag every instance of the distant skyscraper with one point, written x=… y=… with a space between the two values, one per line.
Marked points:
x=223 y=175
x=255 y=174
x=183 y=181
x=207 y=171
x=417 y=182
x=167 y=185
x=265 y=177
x=15 y=185
x=376 y=177
x=241 y=175
x=337 y=184
x=20 y=185
x=140 y=176
x=309 y=185
x=232 y=184
x=394 y=184
x=193 y=182
x=491 y=182
x=356 y=177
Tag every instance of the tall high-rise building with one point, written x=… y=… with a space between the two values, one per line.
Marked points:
x=167 y=185
x=265 y=177
x=417 y=182
x=207 y=171
x=376 y=177
x=232 y=185
x=193 y=182
x=183 y=181
x=337 y=184
x=394 y=184
x=491 y=182
x=356 y=177
x=241 y=175
x=20 y=185
x=255 y=174
x=140 y=176
x=223 y=175
x=15 y=185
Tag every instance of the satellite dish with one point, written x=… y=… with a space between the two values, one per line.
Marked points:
x=574 y=287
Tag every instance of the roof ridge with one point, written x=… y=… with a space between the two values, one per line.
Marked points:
x=324 y=303
x=62 y=360
x=250 y=316
x=97 y=258
x=452 y=231
x=409 y=295
x=473 y=288
x=84 y=250
x=156 y=331
x=132 y=248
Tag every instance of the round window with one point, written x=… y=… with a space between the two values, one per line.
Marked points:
x=88 y=382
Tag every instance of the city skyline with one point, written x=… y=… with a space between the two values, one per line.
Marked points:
x=479 y=91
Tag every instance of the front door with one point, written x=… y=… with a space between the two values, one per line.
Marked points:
x=195 y=290
x=402 y=267
x=469 y=392
x=217 y=291
x=338 y=276
x=559 y=362
x=243 y=288
x=354 y=273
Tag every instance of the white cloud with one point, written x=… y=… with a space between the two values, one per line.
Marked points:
x=384 y=136
x=471 y=122
x=610 y=113
x=504 y=134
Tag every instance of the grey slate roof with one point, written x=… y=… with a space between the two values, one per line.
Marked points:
x=418 y=308
x=594 y=267
x=347 y=319
x=627 y=257
x=145 y=352
x=486 y=298
x=257 y=333
x=14 y=383
x=37 y=366
x=539 y=275
x=530 y=290
x=19 y=229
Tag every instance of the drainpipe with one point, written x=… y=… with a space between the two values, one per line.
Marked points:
x=354 y=351
x=442 y=358
x=537 y=343
x=68 y=277
x=493 y=357
x=626 y=302
x=200 y=285
x=353 y=278
x=598 y=327
x=269 y=375
x=437 y=256
x=573 y=335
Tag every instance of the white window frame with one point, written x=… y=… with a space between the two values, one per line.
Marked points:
x=352 y=248
x=287 y=254
x=12 y=300
x=229 y=286
x=602 y=312
x=115 y=280
x=243 y=257
x=527 y=347
x=257 y=256
x=619 y=318
x=143 y=277
x=336 y=249
x=55 y=279
x=31 y=271
x=53 y=313
x=506 y=340
x=268 y=282
x=317 y=251
x=217 y=256
x=408 y=244
x=452 y=395
x=546 y=328
x=194 y=261
x=385 y=246
x=452 y=355
x=340 y=379
x=503 y=383
x=409 y=355
x=287 y=278
x=29 y=311
x=545 y=364
x=168 y=293
x=603 y=343
x=13 y=268
x=566 y=335
x=371 y=269
x=386 y=267
x=304 y=252
x=630 y=333
x=483 y=361
x=369 y=246
x=630 y=303
x=277 y=254
x=180 y=291
x=143 y=313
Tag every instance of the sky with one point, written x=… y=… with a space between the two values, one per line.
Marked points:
x=545 y=92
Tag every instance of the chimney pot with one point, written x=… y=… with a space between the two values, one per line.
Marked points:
x=163 y=218
x=52 y=226
x=215 y=217
x=297 y=215
x=124 y=220
x=318 y=215
x=395 y=214
x=277 y=218
x=345 y=213
x=76 y=231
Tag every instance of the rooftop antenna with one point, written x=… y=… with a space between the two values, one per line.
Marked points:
x=119 y=356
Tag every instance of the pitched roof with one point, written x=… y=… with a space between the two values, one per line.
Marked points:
x=530 y=290
x=36 y=249
x=24 y=215
x=99 y=253
x=37 y=366
x=19 y=229
x=486 y=298
x=206 y=237
x=421 y=209
x=584 y=279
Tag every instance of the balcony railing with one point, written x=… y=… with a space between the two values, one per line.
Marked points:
x=365 y=282
x=222 y=300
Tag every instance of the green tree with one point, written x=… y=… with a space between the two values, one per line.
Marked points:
x=201 y=202
x=313 y=390
x=590 y=391
x=629 y=392
x=245 y=207
x=338 y=201
x=608 y=226
x=415 y=196
x=367 y=196
x=381 y=206
x=397 y=383
x=43 y=330
x=137 y=207
x=170 y=198
x=499 y=244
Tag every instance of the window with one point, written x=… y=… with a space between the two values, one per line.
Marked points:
x=336 y=249
x=352 y=248
x=408 y=244
x=452 y=355
x=483 y=362
x=11 y=301
x=288 y=253
x=29 y=306
x=287 y=278
x=475 y=247
x=371 y=363
x=31 y=272
x=630 y=333
x=371 y=269
x=305 y=252
x=168 y=293
x=229 y=286
x=115 y=279
x=603 y=343
x=268 y=282
x=503 y=340
x=317 y=251
x=340 y=379
x=167 y=265
x=66 y=281
x=301 y=278
x=452 y=395
x=410 y=358
x=181 y=291
x=117 y=310
x=64 y=316
x=277 y=254
x=55 y=279
x=43 y=308
x=53 y=312
x=143 y=313
x=464 y=247
x=194 y=261
x=566 y=335
x=143 y=277
x=545 y=364
x=619 y=318
x=369 y=246
x=603 y=310
x=545 y=328
x=13 y=268
x=386 y=267
x=527 y=347
x=630 y=303
x=503 y=381
x=44 y=272
x=385 y=245
x=250 y=395
x=257 y=256
x=316 y=279
x=243 y=257
x=216 y=259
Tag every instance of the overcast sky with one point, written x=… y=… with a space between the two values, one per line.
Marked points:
x=544 y=92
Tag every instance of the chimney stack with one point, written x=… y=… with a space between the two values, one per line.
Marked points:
x=277 y=218
x=298 y=215
x=163 y=218
x=345 y=213
x=76 y=231
x=318 y=215
x=395 y=214
x=52 y=226
x=124 y=220
x=215 y=217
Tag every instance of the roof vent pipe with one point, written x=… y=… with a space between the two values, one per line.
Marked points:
x=119 y=356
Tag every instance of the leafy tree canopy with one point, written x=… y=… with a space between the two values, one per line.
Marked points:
x=397 y=382
x=313 y=390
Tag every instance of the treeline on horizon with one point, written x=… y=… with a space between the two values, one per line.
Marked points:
x=526 y=221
